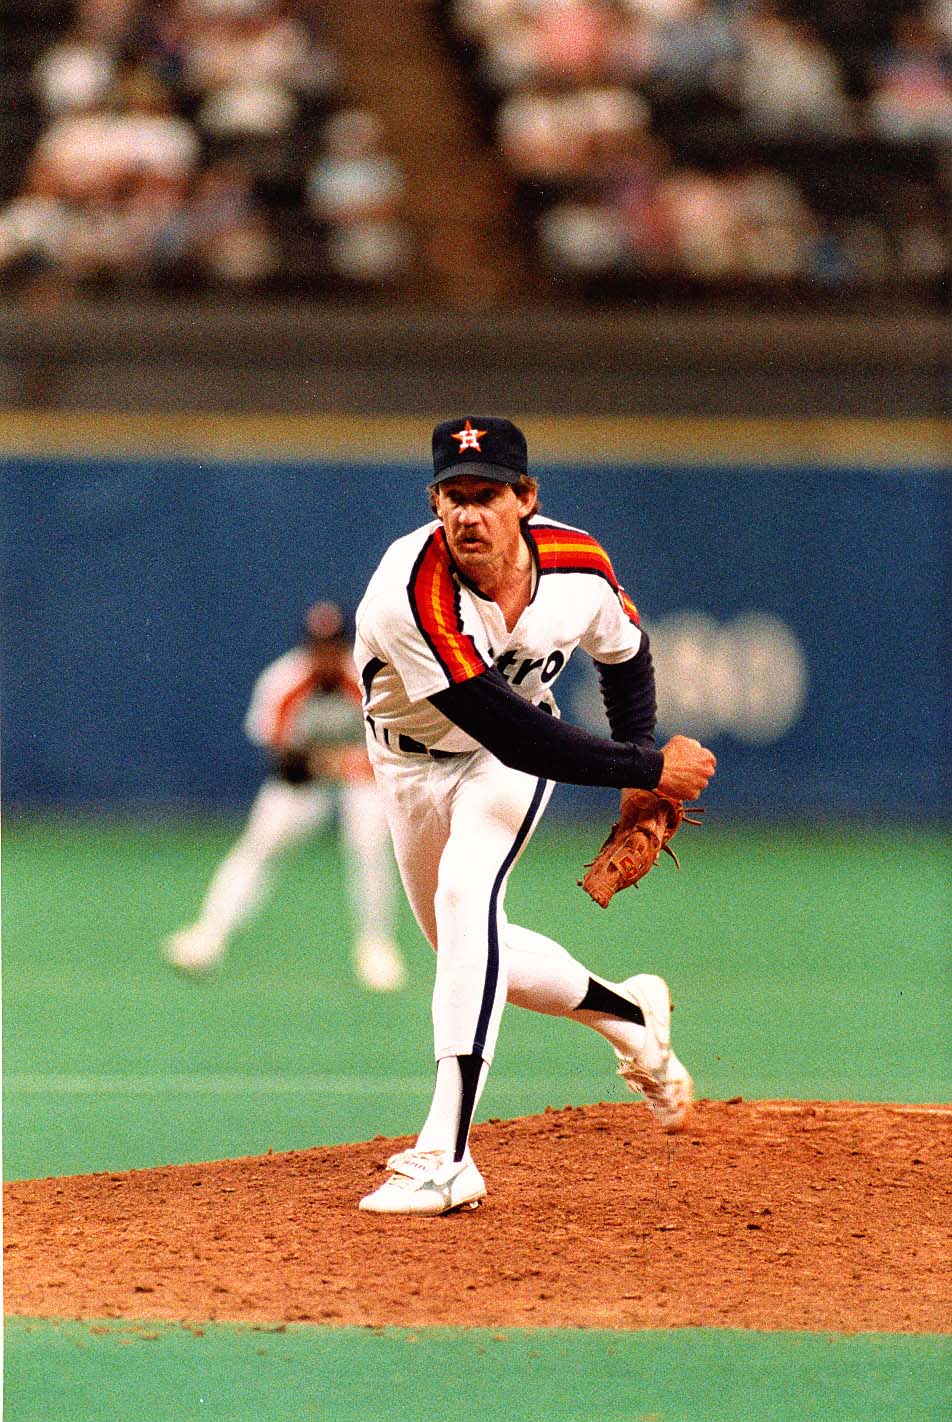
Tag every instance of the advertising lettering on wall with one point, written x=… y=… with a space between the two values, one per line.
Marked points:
x=746 y=677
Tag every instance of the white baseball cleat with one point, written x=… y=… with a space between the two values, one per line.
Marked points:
x=426 y=1182
x=655 y=1072
x=379 y=965
x=194 y=949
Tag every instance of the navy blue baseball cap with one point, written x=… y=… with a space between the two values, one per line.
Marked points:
x=485 y=446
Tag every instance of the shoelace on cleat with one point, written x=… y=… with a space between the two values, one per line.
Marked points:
x=662 y=1096
x=415 y=1162
x=646 y=1082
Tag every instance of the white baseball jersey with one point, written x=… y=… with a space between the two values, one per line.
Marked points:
x=421 y=628
x=291 y=708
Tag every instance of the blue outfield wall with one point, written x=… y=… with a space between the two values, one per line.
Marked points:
x=799 y=616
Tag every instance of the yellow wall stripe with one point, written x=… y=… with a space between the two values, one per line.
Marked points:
x=552 y=440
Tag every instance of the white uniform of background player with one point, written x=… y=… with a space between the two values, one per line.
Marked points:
x=305 y=712
x=450 y=679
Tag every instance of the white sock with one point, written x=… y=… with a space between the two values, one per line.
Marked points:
x=544 y=977
x=441 y=1126
x=627 y=1038
x=237 y=890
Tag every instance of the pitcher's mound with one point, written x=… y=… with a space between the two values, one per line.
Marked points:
x=761 y=1214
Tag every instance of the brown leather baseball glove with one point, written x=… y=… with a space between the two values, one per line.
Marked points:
x=634 y=846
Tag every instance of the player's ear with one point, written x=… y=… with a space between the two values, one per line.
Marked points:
x=527 y=494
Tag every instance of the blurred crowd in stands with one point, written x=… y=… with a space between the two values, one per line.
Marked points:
x=722 y=141
x=712 y=143
x=173 y=133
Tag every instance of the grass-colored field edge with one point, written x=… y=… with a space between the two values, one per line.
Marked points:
x=57 y=1369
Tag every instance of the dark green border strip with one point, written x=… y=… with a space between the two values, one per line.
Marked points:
x=100 y=1371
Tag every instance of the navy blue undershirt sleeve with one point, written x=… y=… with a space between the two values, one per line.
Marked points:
x=628 y=691
x=529 y=739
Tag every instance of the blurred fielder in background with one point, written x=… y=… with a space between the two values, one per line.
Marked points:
x=305 y=710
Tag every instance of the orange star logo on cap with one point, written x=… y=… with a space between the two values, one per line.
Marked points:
x=469 y=438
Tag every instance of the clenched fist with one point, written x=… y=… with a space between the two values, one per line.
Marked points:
x=688 y=766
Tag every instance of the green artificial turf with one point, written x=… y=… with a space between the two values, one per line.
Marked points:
x=109 y=1371
x=801 y=964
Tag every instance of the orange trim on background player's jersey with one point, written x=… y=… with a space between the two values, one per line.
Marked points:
x=569 y=550
x=350 y=686
x=293 y=699
x=434 y=600
x=287 y=708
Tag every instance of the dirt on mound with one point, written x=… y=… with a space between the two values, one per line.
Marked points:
x=768 y=1215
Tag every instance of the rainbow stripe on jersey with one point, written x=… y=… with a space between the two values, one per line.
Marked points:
x=569 y=550
x=434 y=600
